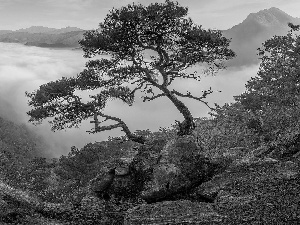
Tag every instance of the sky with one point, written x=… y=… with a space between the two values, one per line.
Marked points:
x=86 y=14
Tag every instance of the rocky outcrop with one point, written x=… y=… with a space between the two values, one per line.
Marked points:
x=101 y=185
x=177 y=167
x=163 y=170
x=258 y=190
x=251 y=190
x=186 y=185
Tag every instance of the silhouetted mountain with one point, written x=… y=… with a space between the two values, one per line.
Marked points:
x=254 y=30
x=44 y=36
x=41 y=29
x=36 y=29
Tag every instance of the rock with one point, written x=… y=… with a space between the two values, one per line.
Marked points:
x=101 y=184
x=264 y=190
x=280 y=170
x=180 y=168
x=161 y=170
x=226 y=200
x=173 y=212
x=212 y=187
x=148 y=155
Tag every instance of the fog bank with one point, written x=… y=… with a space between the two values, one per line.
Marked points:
x=24 y=68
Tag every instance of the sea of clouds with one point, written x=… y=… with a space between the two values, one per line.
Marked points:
x=24 y=68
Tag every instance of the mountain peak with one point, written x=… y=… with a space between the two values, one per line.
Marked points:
x=270 y=17
x=274 y=10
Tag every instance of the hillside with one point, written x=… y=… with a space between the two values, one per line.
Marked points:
x=44 y=37
x=254 y=30
x=19 y=143
x=5 y=31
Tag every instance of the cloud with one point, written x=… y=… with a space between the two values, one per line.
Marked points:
x=4 y=3
x=25 y=68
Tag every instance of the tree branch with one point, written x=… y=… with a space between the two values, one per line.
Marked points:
x=140 y=85
x=175 y=74
x=147 y=73
x=153 y=97
x=189 y=95
x=120 y=123
x=163 y=59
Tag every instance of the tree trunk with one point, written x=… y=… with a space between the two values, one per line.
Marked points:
x=187 y=126
x=131 y=136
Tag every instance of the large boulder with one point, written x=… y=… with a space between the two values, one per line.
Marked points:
x=161 y=170
x=261 y=191
x=148 y=155
x=101 y=185
x=179 y=167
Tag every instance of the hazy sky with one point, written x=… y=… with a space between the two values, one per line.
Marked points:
x=86 y=14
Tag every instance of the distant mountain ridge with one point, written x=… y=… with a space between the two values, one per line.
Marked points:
x=254 y=30
x=40 y=36
x=5 y=31
x=246 y=36
x=41 y=29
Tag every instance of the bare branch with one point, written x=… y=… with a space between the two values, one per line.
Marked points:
x=189 y=95
x=140 y=85
x=176 y=74
x=153 y=97
x=103 y=128
x=120 y=123
x=178 y=68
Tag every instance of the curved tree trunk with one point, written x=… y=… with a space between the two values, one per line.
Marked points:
x=188 y=125
x=131 y=136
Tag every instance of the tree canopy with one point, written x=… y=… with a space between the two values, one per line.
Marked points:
x=144 y=49
x=277 y=81
x=273 y=95
x=266 y=116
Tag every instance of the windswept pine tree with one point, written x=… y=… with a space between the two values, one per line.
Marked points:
x=161 y=30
